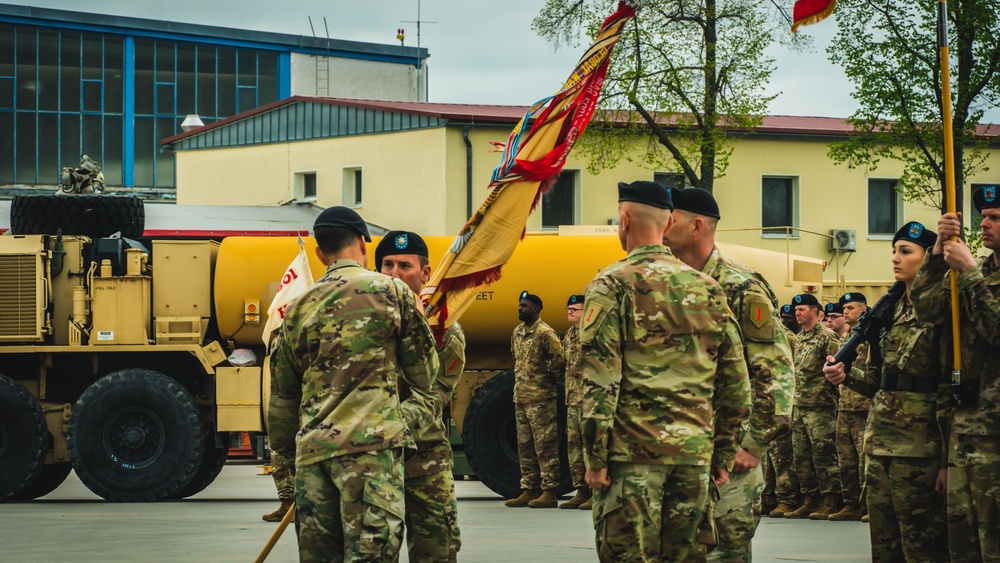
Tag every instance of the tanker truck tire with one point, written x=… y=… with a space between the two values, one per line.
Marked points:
x=23 y=436
x=489 y=437
x=210 y=467
x=89 y=215
x=48 y=480
x=136 y=435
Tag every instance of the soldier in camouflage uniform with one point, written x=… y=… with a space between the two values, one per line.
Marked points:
x=538 y=367
x=781 y=488
x=768 y=356
x=852 y=416
x=833 y=318
x=659 y=350
x=903 y=436
x=334 y=397
x=432 y=532
x=574 y=394
x=974 y=443
x=284 y=482
x=814 y=418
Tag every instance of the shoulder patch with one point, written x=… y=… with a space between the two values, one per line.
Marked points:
x=757 y=318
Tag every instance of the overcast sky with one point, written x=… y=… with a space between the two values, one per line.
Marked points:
x=482 y=52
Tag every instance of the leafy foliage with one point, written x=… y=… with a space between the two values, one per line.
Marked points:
x=889 y=50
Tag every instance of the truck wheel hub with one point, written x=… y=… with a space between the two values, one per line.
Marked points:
x=135 y=436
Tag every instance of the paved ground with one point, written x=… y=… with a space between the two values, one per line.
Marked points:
x=223 y=524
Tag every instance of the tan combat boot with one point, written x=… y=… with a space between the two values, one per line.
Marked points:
x=850 y=513
x=780 y=510
x=549 y=499
x=589 y=504
x=809 y=505
x=583 y=494
x=830 y=505
x=524 y=499
x=277 y=515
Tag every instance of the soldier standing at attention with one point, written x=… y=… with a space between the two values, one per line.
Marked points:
x=852 y=415
x=334 y=397
x=833 y=318
x=538 y=367
x=574 y=440
x=768 y=356
x=781 y=489
x=665 y=390
x=432 y=532
x=814 y=418
x=905 y=464
x=974 y=443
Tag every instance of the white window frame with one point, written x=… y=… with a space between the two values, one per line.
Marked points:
x=577 y=200
x=299 y=185
x=900 y=209
x=348 y=187
x=796 y=203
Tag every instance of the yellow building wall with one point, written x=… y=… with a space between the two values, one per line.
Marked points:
x=416 y=180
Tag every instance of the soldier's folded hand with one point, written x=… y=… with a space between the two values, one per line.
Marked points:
x=834 y=373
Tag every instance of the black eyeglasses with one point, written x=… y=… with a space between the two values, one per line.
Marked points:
x=574 y=310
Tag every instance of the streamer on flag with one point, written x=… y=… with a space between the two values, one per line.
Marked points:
x=295 y=281
x=808 y=12
x=532 y=159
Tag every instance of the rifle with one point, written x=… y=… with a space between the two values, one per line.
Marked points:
x=871 y=325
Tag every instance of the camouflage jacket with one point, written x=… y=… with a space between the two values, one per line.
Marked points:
x=431 y=434
x=793 y=340
x=664 y=379
x=979 y=300
x=766 y=350
x=907 y=423
x=344 y=343
x=571 y=351
x=811 y=387
x=852 y=401
x=538 y=362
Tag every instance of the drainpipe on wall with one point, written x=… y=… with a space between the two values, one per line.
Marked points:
x=468 y=169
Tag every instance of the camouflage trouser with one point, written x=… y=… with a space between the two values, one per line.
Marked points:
x=737 y=515
x=574 y=445
x=781 y=482
x=974 y=498
x=432 y=532
x=651 y=513
x=907 y=516
x=814 y=448
x=350 y=507
x=538 y=445
x=850 y=453
x=281 y=472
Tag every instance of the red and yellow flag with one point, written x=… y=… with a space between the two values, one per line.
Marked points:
x=531 y=162
x=807 y=12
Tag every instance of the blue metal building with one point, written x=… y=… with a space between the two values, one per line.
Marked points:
x=111 y=87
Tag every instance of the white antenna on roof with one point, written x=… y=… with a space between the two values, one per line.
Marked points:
x=418 y=22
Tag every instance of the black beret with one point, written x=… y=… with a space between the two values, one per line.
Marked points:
x=695 y=200
x=399 y=242
x=574 y=300
x=806 y=299
x=985 y=197
x=525 y=296
x=342 y=218
x=916 y=233
x=853 y=297
x=645 y=192
x=787 y=309
x=834 y=308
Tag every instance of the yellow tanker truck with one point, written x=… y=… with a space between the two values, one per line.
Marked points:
x=116 y=354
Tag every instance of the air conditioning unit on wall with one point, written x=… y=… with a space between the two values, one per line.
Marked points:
x=844 y=240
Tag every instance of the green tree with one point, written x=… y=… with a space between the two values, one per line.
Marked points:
x=889 y=50
x=684 y=75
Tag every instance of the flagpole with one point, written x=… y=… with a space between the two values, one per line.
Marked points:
x=949 y=180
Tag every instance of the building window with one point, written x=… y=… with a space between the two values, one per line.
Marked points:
x=305 y=186
x=779 y=205
x=884 y=209
x=559 y=205
x=670 y=180
x=352 y=187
